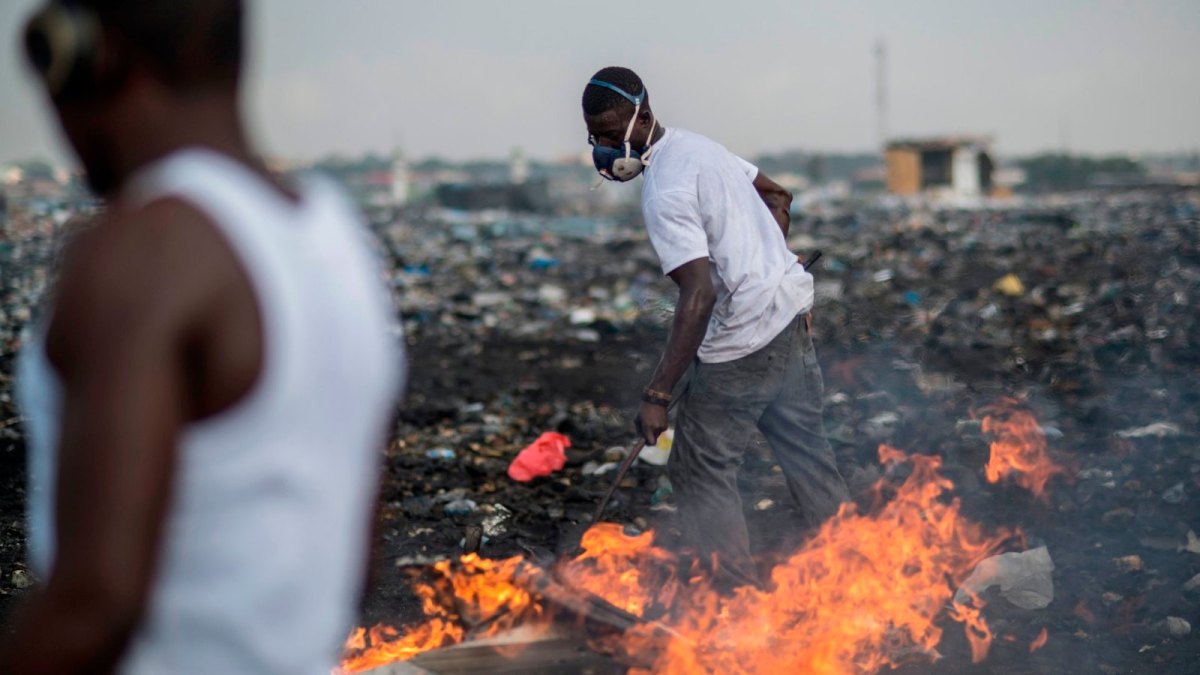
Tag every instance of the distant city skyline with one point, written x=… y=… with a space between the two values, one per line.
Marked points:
x=475 y=80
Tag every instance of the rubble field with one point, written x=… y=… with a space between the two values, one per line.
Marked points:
x=1083 y=310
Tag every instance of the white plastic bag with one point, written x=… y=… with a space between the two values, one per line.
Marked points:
x=1025 y=579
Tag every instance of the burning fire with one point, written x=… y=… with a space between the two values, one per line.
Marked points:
x=472 y=592
x=865 y=592
x=627 y=571
x=868 y=590
x=1039 y=641
x=1019 y=450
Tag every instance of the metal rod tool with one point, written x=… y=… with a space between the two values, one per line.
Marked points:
x=621 y=471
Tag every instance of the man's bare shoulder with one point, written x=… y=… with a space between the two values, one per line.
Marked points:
x=150 y=268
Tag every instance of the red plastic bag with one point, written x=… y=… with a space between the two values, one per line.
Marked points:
x=541 y=458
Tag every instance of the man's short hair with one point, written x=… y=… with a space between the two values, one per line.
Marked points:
x=598 y=100
x=188 y=42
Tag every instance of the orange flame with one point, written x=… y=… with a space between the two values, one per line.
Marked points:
x=1039 y=641
x=867 y=591
x=1019 y=450
x=475 y=591
x=627 y=571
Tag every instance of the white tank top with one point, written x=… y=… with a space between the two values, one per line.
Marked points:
x=264 y=547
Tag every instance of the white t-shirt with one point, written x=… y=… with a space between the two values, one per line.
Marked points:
x=699 y=201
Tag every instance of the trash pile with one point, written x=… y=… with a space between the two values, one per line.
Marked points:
x=24 y=270
x=455 y=284
x=25 y=265
x=1084 y=311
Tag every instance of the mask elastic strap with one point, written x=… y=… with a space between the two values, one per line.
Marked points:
x=650 y=140
x=636 y=100
x=629 y=130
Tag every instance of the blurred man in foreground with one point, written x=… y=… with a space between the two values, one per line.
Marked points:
x=719 y=227
x=209 y=394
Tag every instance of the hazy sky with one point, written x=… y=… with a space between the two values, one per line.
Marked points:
x=476 y=79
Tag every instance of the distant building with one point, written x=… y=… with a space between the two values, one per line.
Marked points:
x=1006 y=180
x=531 y=196
x=957 y=167
x=401 y=180
x=518 y=167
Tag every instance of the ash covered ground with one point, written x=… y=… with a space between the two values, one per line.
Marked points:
x=513 y=336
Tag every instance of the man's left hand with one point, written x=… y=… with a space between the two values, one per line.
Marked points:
x=651 y=422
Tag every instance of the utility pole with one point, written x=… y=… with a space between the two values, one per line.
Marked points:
x=881 y=94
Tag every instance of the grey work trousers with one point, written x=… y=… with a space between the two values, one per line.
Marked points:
x=779 y=390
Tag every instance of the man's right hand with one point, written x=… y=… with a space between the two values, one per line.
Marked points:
x=692 y=312
x=651 y=422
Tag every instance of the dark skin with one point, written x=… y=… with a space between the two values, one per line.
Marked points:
x=696 y=300
x=696 y=294
x=155 y=326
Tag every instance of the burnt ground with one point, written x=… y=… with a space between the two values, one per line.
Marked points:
x=1103 y=339
x=1085 y=525
x=12 y=530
